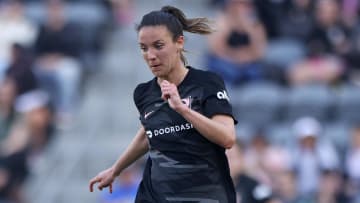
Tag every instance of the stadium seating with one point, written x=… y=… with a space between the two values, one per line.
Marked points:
x=313 y=100
x=257 y=103
x=348 y=104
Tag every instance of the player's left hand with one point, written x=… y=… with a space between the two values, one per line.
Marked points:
x=171 y=94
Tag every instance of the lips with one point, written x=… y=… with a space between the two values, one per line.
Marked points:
x=155 y=66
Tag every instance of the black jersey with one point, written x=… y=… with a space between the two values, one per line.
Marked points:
x=183 y=166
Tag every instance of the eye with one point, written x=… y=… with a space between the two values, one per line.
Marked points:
x=143 y=48
x=159 y=46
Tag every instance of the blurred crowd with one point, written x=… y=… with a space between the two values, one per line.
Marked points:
x=48 y=50
x=292 y=69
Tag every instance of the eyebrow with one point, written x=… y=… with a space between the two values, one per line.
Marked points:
x=157 y=41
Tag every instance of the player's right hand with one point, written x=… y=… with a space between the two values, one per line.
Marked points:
x=104 y=179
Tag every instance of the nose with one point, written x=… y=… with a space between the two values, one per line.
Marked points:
x=150 y=55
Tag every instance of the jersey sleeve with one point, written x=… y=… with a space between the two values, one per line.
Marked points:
x=216 y=99
x=138 y=98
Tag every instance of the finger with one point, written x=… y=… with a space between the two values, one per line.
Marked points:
x=92 y=182
x=163 y=87
x=103 y=185
x=165 y=82
x=110 y=188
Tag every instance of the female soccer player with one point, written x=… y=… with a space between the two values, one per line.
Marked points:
x=186 y=120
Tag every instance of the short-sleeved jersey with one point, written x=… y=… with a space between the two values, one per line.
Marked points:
x=183 y=166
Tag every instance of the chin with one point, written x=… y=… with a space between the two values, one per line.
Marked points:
x=158 y=73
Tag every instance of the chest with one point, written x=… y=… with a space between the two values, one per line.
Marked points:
x=162 y=123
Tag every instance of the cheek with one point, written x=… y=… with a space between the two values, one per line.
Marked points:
x=167 y=56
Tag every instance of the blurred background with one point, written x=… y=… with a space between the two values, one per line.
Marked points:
x=292 y=69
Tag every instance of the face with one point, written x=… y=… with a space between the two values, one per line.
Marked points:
x=160 y=51
x=239 y=8
x=327 y=12
x=308 y=142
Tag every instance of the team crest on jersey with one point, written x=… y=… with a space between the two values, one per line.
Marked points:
x=187 y=101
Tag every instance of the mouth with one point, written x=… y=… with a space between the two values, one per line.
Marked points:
x=155 y=66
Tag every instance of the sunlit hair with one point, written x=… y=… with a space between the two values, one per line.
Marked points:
x=176 y=22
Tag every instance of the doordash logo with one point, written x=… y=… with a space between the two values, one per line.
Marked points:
x=169 y=130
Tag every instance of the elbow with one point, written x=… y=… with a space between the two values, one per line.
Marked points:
x=230 y=141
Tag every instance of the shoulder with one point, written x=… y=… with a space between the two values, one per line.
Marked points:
x=141 y=89
x=212 y=83
x=206 y=77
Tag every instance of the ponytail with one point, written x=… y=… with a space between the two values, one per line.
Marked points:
x=193 y=25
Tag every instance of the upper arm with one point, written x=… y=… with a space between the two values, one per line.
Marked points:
x=216 y=101
x=227 y=129
x=226 y=120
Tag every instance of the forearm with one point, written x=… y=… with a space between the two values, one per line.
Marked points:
x=219 y=130
x=137 y=148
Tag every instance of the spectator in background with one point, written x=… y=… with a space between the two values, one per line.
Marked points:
x=312 y=155
x=24 y=143
x=328 y=47
x=285 y=188
x=57 y=67
x=350 y=18
x=299 y=14
x=122 y=11
x=270 y=13
x=349 y=12
x=24 y=139
x=37 y=124
x=248 y=189
x=264 y=160
x=20 y=70
x=352 y=161
x=331 y=188
x=326 y=70
x=289 y=47
x=237 y=47
x=15 y=28
x=329 y=35
x=13 y=172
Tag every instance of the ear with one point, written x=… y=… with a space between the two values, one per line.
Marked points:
x=180 y=42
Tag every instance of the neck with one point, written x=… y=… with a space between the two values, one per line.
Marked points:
x=176 y=76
